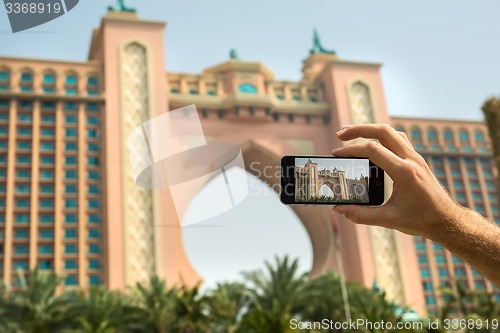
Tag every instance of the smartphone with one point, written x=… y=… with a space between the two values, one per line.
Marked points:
x=329 y=180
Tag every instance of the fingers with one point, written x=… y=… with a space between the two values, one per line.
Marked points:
x=362 y=214
x=385 y=134
x=405 y=137
x=377 y=153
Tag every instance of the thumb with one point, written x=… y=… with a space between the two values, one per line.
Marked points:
x=361 y=214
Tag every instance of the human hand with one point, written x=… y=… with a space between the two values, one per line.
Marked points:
x=419 y=205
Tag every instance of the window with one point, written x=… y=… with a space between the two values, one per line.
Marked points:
x=70 y=106
x=71 y=280
x=93 y=120
x=464 y=137
x=420 y=246
x=70 y=119
x=47 y=160
x=440 y=259
x=21 y=234
x=47 y=174
x=22 y=188
x=70 y=160
x=48 y=119
x=94 y=248
x=45 y=249
x=70 y=174
x=430 y=300
x=70 y=188
x=247 y=88
x=70 y=264
x=71 y=203
x=443 y=272
x=93 y=147
x=459 y=272
x=26 y=105
x=436 y=247
x=49 y=79
x=94 y=264
x=424 y=272
x=94 y=219
x=47 y=146
x=92 y=133
x=70 y=218
x=92 y=81
x=94 y=280
x=70 y=248
x=70 y=233
x=46 y=218
x=23 y=174
x=46 y=203
x=71 y=91
x=93 y=189
x=45 y=264
x=48 y=132
x=70 y=146
x=22 y=203
x=92 y=107
x=174 y=91
x=24 y=131
x=93 y=203
x=26 y=89
x=94 y=233
x=46 y=233
x=21 y=264
x=71 y=132
x=3 y=144
x=20 y=249
x=479 y=285
x=479 y=136
x=71 y=80
x=93 y=160
x=210 y=92
x=26 y=77
x=24 y=145
x=432 y=135
x=4 y=130
x=422 y=259
x=93 y=174
x=23 y=117
x=48 y=90
x=47 y=188
x=415 y=134
x=4 y=76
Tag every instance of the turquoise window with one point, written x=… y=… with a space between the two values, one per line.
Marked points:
x=93 y=147
x=22 y=188
x=92 y=81
x=48 y=90
x=436 y=247
x=94 y=263
x=70 y=248
x=94 y=233
x=440 y=259
x=47 y=203
x=4 y=76
x=22 y=218
x=174 y=91
x=71 y=203
x=3 y=144
x=70 y=280
x=476 y=196
x=475 y=273
x=212 y=93
x=49 y=79
x=4 y=116
x=71 y=188
x=430 y=300
x=71 y=92
x=70 y=160
x=48 y=106
x=464 y=137
x=24 y=145
x=415 y=134
x=26 y=89
x=4 y=103
x=47 y=160
x=94 y=248
x=71 y=80
x=93 y=203
x=70 y=174
x=71 y=132
x=94 y=218
x=24 y=117
x=4 y=130
x=479 y=285
x=70 y=146
x=46 y=218
x=25 y=174
x=4 y=87
x=93 y=120
x=420 y=246
x=487 y=173
x=46 y=233
x=92 y=133
x=448 y=135
x=3 y=173
x=94 y=280
x=70 y=119
x=427 y=286
x=92 y=160
x=26 y=77
x=21 y=264
x=70 y=233
x=21 y=234
x=432 y=135
x=49 y=146
x=2 y=203
x=297 y=98
x=2 y=188
x=92 y=107
x=26 y=105
x=474 y=184
x=422 y=259
x=458 y=184
x=21 y=249
x=479 y=136
x=70 y=106
x=47 y=188
x=424 y=272
x=47 y=174
x=490 y=185
x=93 y=174
x=93 y=189
x=45 y=249
x=247 y=88
x=48 y=119
x=48 y=132
x=45 y=264
x=459 y=272
x=70 y=218
x=70 y=264
x=93 y=93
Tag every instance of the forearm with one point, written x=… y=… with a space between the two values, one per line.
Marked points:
x=474 y=239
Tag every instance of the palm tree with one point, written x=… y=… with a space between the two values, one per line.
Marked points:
x=34 y=306
x=191 y=311
x=491 y=110
x=278 y=294
x=228 y=303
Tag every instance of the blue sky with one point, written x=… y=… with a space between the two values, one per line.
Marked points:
x=441 y=59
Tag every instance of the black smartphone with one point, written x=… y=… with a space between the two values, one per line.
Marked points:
x=330 y=180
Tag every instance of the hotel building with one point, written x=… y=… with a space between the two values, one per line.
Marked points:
x=69 y=202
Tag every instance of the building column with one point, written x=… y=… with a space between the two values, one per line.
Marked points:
x=35 y=174
x=82 y=189
x=59 y=189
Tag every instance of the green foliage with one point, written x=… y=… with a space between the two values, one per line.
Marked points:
x=266 y=301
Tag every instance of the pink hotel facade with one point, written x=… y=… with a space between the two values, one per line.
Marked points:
x=69 y=203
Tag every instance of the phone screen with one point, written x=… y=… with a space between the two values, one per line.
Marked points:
x=331 y=180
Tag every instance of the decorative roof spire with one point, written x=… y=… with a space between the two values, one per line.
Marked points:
x=317 y=47
x=233 y=54
x=121 y=7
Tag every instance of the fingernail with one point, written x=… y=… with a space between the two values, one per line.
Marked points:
x=334 y=150
x=346 y=126
x=341 y=131
x=338 y=210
